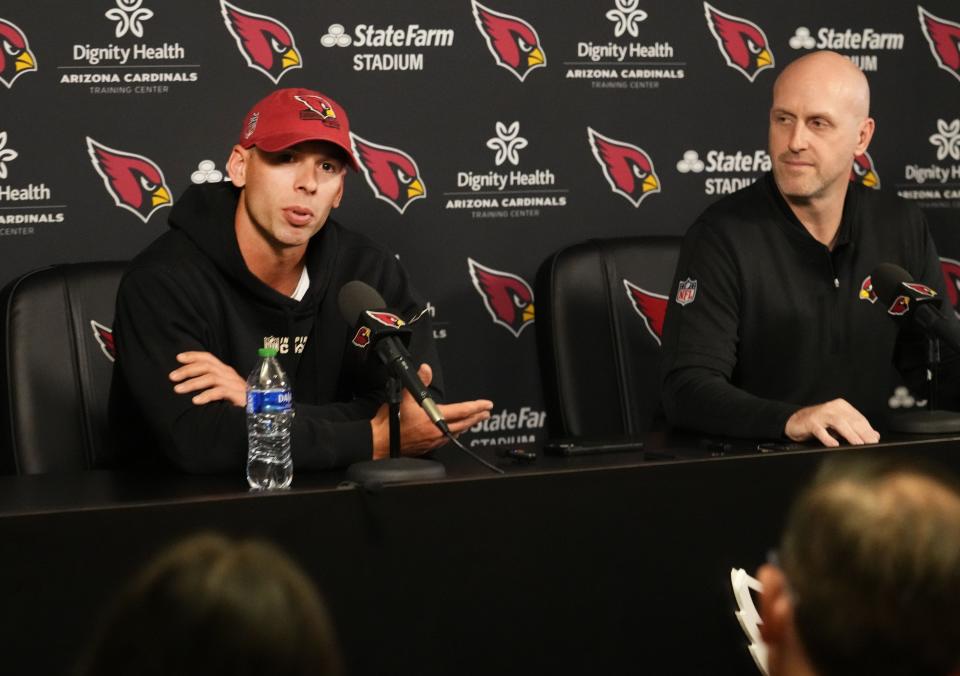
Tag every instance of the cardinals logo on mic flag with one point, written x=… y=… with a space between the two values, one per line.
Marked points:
x=507 y=297
x=627 y=168
x=134 y=181
x=15 y=55
x=513 y=42
x=944 y=39
x=742 y=43
x=104 y=337
x=951 y=277
x=391 y=173
x=864 y=172
x=652 y=308
x=266 y=44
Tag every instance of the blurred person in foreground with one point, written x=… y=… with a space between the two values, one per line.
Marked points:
x=868 y=579
x=210 y=606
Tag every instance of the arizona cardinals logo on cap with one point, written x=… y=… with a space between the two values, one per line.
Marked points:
x=265 y=43
x=951 y=276
x=866 y=290
x=513 y=42
x=318 y=108
x=392 y=174
x=15 y=55
x=508 y=298
x=104 y=336
x=944 y=39
x=135 y=182
x=863 y=171
x=743 y=43
x=628 y=169
x=652 y=308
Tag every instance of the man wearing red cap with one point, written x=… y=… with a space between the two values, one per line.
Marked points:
x=253 y=263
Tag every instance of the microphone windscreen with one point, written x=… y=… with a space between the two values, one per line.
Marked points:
x=356 y=297
x=887 y=279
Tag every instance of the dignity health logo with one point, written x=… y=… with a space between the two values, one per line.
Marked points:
x=129 y=16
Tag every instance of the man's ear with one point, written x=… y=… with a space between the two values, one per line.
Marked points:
x=776 y=606
x=865 y=133
x=237 y=165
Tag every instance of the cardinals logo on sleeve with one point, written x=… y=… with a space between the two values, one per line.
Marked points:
x=507 y=297
x=944 y=39
x=743 y=43
x=135 y=182
x=864 y=172
x=513 y=42
x=392 y=174
x=951 y=277
x=265 y=43
x=15 y=55
x=104 y=336
x=652 y=308
x=627 y=168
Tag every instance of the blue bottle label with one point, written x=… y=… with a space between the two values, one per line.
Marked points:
x=269 y=401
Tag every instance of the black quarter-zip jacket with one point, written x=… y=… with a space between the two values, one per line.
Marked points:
x=778 y=321
x=191 y=290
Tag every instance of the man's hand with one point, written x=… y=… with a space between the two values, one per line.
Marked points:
x=837 y=415
x=203 y=372
x=417 y=433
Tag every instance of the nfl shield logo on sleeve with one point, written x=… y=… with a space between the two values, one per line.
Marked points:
x=686 y=291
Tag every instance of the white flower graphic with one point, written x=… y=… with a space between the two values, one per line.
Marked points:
x=507 y=143
x=129 y=16
x=627 y=16
x=947 y=140
x=6 y=154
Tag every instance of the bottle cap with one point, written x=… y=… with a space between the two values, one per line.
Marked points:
x=267 y=352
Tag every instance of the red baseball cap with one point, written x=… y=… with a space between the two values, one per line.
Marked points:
x=290 y=116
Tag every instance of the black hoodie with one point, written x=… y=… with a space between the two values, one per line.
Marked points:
x=191 y=290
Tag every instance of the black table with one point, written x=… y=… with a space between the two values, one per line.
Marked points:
x=604 y=565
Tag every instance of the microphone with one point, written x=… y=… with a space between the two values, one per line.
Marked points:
x=361 y=306
x=904 y=297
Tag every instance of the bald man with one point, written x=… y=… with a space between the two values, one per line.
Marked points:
x=774 y=332
x=868 y=578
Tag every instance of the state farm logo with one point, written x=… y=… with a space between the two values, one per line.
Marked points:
x=743 y=44
x=652 y=308
x=624 y=65
x=937 y=183
x=513 y=42
x=265 y=43
x=508 y=427
x=730 y=171
x=392 y=174
x=16 y=59
x=507 y=297
x=843 y=40
x=22 y=206
x=207 y=172
x=628 y=168
x=409 y=44
x=137 y=68
x=135 y=182
x=943 y=36
x=508 y=192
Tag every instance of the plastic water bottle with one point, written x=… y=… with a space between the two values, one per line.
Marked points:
x=269 y=423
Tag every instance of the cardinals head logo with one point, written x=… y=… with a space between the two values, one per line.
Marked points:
x=15 y=55
x=392 y=174
x=104 y=336
x=135 y=182
x=362 y=337
x=743 y=43
x=652 y=308
x=900 y=306
x=951 y=276
x=513 y=42
x=944 y=39
x=265 y=43
x=508 y=298
x=866 y=290
x=864 y=172
x=628 y=169
x=386 y=318
x=318 y=108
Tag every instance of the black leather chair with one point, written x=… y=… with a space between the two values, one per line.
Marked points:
x=57 y=348
x=600 y=306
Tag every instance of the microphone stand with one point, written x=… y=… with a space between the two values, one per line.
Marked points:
x=929 y=420
x=395 y=469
